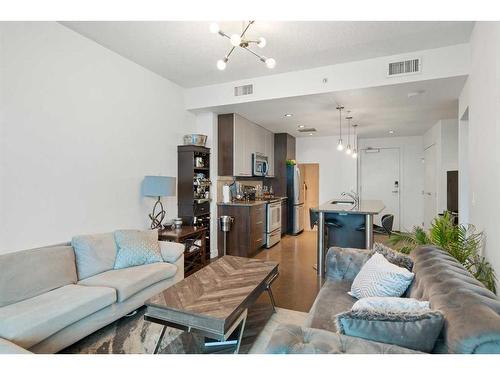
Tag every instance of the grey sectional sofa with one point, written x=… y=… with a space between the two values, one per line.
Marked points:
x=472 y=313
x=46 y=306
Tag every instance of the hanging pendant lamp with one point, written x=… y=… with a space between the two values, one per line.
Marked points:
x=355 y=147
x=340 y=146
x=348 y=150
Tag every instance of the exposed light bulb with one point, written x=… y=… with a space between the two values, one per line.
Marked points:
x=270 y=63
x=348 y=150
x=221 y=65
x=340 y=146
x=214 y=28
x=262 y=42
x=235 y=40
x=354 y=154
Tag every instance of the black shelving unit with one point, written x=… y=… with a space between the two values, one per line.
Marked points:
x=193 y=187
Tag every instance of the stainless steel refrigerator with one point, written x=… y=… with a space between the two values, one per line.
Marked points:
x=295 y=193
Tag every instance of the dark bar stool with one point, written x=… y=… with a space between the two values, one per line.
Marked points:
x=329 y=222
x=387 y=222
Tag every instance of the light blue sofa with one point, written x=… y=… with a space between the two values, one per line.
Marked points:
x=52 y=297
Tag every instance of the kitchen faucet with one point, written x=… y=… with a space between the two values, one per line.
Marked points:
x=353 y=195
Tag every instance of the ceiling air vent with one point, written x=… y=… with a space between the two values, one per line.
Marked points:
x=307 y=130
x=399 y=68
x=243 y=90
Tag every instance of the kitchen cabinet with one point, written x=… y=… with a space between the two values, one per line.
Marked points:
x=284 y=216
x=238 y=139
x=247 y=234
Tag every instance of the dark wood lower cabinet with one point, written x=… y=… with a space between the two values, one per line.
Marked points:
x=247 y=235
x=284 y=217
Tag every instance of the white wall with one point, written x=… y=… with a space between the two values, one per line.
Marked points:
x=412 y=175
x=482 y=98
x=80 y=127
x=444 y=136
x=337 y=171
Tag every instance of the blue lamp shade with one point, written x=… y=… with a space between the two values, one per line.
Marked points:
x=158 y=186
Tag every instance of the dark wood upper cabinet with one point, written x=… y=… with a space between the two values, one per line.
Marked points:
x=284 y=149
x=238 y=138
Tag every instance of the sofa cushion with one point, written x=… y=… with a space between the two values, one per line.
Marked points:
x=395 y=257
x=292 y=339
x=136 y=247
x=7 y=347
x=28 y=322
x=129 y=281
x=29 y=273
x=417 y=331
x=380 y=278
x=95 y=253
x=391 y=304
x=331 y=300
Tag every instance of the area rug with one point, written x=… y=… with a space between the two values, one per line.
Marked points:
x=134 y=335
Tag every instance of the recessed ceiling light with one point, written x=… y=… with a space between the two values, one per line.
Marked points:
x=310 y=133
x=391 y=131
x=288 y=115
x=302 y=126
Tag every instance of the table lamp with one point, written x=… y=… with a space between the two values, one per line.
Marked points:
x=158 y=186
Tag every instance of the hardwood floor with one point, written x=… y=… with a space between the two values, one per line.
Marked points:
x=297 y=285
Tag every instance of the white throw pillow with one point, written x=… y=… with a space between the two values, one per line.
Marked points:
x=380 y=278
x=393 y=305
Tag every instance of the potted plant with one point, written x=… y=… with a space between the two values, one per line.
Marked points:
x=462 y=242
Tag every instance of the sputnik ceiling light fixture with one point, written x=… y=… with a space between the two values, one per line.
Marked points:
x=340 y=146
x=240 y=40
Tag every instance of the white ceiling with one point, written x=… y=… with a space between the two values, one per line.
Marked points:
x=376 y=110
x=186 y=52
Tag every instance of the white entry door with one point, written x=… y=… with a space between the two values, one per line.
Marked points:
x=430 y=184
x=379 y=179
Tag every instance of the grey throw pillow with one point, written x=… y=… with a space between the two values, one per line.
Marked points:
x=94 y=253
x=393 y=256
x=136 y=247
x=417 y=331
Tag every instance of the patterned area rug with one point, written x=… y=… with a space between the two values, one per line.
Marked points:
x=134 y=335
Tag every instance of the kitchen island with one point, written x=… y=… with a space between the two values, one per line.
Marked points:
x=350 y=225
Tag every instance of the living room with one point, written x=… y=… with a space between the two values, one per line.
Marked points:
x=164 y=191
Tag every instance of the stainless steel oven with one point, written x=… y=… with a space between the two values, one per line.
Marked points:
x=260 y=165
x=273 y=222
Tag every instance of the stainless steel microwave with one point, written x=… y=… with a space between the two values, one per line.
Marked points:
x=260 y=165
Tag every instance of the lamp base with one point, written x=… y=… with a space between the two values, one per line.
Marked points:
x=157 y=218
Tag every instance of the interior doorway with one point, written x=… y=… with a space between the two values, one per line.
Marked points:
x=379 y=179
x=430 y=184
x=310 y=179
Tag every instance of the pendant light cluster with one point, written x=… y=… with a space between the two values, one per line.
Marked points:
x=352 y=151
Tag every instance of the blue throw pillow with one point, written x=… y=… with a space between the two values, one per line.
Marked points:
x=136 y=248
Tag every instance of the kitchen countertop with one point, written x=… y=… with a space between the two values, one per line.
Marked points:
x=365 y=207
x=248 y=203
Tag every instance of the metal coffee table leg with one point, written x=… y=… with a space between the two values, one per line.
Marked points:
x=270 y=292
x=239 y=324
x=157 y=347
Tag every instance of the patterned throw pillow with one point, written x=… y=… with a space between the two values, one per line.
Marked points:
x=380 y=278
x=417 y=331
x=394 y=305
x=393 y=256
x=136 y=248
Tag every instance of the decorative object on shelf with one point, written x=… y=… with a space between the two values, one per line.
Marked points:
x=348 y=149
x=177 y=223
x=340 y=145
x=462 y=242
x=240 y=40
x=355 y=143
x=158 y=186
x=195 y=139
x=291 y=162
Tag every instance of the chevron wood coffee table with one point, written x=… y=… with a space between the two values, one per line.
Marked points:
x=214 y=301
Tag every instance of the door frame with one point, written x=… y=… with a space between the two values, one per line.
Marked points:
x=400 y=171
